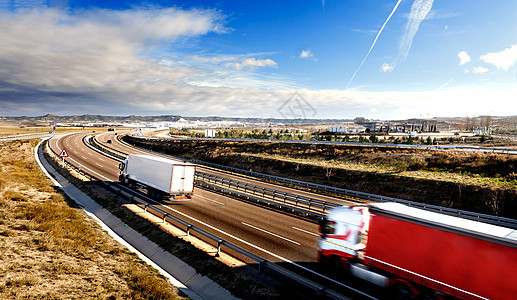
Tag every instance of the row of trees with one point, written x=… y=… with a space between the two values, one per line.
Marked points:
x=482 y=121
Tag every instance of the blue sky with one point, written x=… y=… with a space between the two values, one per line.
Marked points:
x=371 y=58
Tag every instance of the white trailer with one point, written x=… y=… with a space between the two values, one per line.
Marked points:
x=163 y=178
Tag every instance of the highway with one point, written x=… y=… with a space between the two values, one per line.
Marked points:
x=272 y=235
x=122 y=147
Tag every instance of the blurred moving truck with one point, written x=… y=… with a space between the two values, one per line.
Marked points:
x=162 y=178
x=420 y=254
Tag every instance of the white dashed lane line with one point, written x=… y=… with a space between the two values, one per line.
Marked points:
x=210 y=199
x=273 y=234
x=308 y=232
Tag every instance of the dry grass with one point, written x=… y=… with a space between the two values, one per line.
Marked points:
x=400 y=168
x=50 y=250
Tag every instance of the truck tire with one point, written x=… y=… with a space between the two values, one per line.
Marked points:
x=335 y=267
x=401 y=291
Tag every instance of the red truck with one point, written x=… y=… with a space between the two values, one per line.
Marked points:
x=421 y=254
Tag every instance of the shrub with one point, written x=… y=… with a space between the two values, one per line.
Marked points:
x=417 y=163
x=400 y=166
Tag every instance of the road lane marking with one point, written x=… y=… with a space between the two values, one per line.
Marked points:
x=273 y=234
x=238 y=239
x=210 y=199
x=99 y=165
x=315 y=234
x=100 y=159
x=90 y=170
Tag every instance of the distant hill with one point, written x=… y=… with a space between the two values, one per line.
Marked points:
x=50 y=119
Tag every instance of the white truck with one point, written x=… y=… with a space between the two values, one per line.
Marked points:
x=162 y=178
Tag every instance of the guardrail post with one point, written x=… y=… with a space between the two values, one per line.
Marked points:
x=219 y=242
x=165 y=216
x=145 y=206
x=188 y=229
x=260 y=263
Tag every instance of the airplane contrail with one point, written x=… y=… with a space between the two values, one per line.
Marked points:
x=419 y=11
x=375 y=41
x=444 y=85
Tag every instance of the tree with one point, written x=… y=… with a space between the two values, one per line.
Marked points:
x=468 y=123
x=329 y=172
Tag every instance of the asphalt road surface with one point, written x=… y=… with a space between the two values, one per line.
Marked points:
x=272 y=235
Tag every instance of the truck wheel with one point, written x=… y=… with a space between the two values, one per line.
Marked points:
x=335 y=266
x=401 y=291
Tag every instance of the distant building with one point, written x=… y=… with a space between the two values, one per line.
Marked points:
x=210 y=133
x=338 y=129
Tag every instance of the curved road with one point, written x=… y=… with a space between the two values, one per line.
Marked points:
x=269 y=234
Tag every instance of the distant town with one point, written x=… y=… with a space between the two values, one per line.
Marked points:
x=481 y=125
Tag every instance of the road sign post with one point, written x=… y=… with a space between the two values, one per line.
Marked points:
x=64 y=154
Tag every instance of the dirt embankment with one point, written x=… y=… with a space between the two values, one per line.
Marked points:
x=480 y=182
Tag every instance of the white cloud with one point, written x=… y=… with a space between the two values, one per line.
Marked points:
x=479 y=70
x=306 y=54
x=386 y=67
x=100 y=62
x=252 y=63
x=464 y=57
x=504 y=59
x=94 y=51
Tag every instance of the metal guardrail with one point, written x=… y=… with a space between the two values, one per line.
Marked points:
x=24 y=137
x=265 y=266
x=296 y=203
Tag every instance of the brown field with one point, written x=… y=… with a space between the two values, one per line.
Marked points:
x=51 y=250
x=15 y=130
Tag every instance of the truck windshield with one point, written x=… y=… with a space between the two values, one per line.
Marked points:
x=328 y=227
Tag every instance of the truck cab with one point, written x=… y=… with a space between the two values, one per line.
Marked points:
x=123 y=171
x=342 y=234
